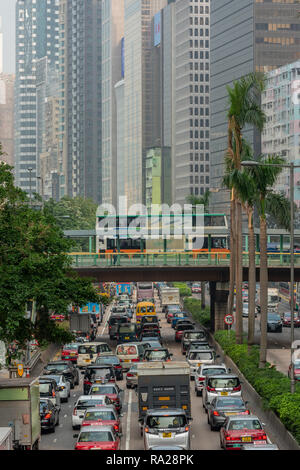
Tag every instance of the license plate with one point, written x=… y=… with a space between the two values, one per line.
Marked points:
x=199 y=364
x=246 y=439
x=167 y=434
x=224 y=394
x=87 y=360
x=127 y=337
x=73 y=354
x=126 y=360
x=229 y=414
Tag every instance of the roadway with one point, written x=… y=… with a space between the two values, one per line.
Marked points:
x=202 y=437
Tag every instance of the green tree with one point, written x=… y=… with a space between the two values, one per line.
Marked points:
x=75 y=213
x=33 y=265
x=244 y=109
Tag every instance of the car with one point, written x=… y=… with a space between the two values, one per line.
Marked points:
x=199 y=345
x=185 y=321
x=192 y=335
x=102 y=416
x=240 y=430
x=245 y=312
x=132 y=377
x=150 y=334
x=112 y=391
x=296 y=364
x=49 y=415
x=63 y=385
x=274 y=323
x=111 y=360
x=196 y=357
x=286 y=319
x=179 y=329
x=84 y=402
x=49 y=390
x=207 y=369
x=221 y=407
x=196 y=289
x=63 y=367
x=149 y=319
x=114 y=321
x=151 y=342
x=178 y=316
x=152 y=328
x=97 y=437
x=171 y=309
x=126 y=333
x=98 y=374
x=130 y=353
x=69 y=352
x=157 y=354
x=168 y=424
x=88 y=353
x=220 y=385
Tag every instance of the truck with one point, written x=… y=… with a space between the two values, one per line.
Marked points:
x=81 y=324
x=169 y=296
x=20 y=411
x=145 y=292
x=163 y=385
x=6 y=442
x=273 y=300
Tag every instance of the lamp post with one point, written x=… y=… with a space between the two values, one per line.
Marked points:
x=291 y=167
x=30 y=194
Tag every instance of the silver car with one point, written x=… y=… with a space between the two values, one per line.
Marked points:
x=203 y=371
x=166 y=427
x=227 y=385
x=132 y=377
x=84 y=402
x=63 y=385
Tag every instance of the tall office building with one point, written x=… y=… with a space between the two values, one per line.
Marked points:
x=80 y=98
x=137 y=92
x=112 y=34
x=37 y=36
x=246 y=36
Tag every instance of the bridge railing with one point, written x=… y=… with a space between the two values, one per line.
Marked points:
x=172 y=259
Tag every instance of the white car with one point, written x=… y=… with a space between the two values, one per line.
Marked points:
x=63 y=385
x=227 y=385
x=84 y=402
x=197 y=357
x=207 y=369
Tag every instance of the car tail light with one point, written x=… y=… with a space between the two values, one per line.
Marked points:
x=216 y=413
x=116 y=427
x=135 y=360
x=146 y=429
x=118 y=367
x=260 y=437
x=247 y=412
x=87 y=382
x=186 y=428
x=75 y=412
x=48 y=415
x=201 y=379
x=85 y=424
x=129 y=374
x=53 y=393
x=237 y=389
x=210 y=389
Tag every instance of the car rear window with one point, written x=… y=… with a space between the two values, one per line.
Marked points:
x=230 y=402
x=129 y=350
x=82 y=404
x=213 y=371
x=95 y=436
x=200 y=355
x=220 y=382
x=166 y=422
x=194 y=335
x=130 y=328
x=95 y=415
x=184 y=327
x=102 y=390
x=87 y=350
x=239 y=425
x=158 y=355
x=107 y=360
x=45 y=390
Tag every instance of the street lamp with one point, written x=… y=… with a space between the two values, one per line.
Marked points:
x=291 y=166
x=30 y=170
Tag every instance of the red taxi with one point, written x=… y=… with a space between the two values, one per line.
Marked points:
x=112 y=391
x=97 y=438
x=102 y=416
x=70 y=352
x=239 y=430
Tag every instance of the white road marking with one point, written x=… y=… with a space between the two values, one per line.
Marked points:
x=128 y=421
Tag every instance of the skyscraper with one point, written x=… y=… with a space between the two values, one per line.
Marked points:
x=80 y=101
x=37 y=36
x=246 y=36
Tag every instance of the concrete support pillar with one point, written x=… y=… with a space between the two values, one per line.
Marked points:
x=219 y=292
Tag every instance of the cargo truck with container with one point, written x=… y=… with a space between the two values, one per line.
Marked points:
x=82 y=324
x=20 y=410
x=169 y=296
x=163 y=385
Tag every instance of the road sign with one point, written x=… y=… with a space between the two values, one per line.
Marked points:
x=228 y=319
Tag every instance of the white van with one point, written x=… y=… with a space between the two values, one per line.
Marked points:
x=129 y=353
x=88 y=352
x=197 y=357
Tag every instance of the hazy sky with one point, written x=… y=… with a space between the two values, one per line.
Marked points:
x=7 y=11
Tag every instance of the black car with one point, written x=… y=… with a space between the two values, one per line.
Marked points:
x=190 y=336
x=221 y=407
x=114 y=322
x=66 y=368
x=274 y=323
x=49 y=415
x=111 y=360
x=102 y=373
x=150 y=334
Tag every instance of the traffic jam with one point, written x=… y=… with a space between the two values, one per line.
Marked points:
x=144 y=376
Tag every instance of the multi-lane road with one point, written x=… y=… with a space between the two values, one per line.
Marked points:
x=202 y=437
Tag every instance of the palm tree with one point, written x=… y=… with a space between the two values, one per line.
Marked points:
x=244 y=109
x=204 y=201
x=265 y=177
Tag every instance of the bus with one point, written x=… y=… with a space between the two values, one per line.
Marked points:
x=213 y=234
x=145 y=292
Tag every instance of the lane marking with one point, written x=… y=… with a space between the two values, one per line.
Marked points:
x=128 y=421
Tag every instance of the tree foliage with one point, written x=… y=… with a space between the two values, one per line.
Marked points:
x=73 y=213
x=34 y=265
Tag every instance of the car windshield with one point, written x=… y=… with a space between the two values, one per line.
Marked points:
x=102 y=390
x=130 y=328
x=230 y=403
x=107 y=360
x=127 y=350
x=240 y=424
x=149 y=308
x=208 y=371
x=220 y=382
x=95 y=436
x=82 y=404
x=103 y=415
x=273 y=317
x=184 y=326
x=55 y=367
x=73 y=347
x=87 y=350
x=159 y=355
x=169 y=422
x=45 y=390
x=200 y=355
x=194 y=335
